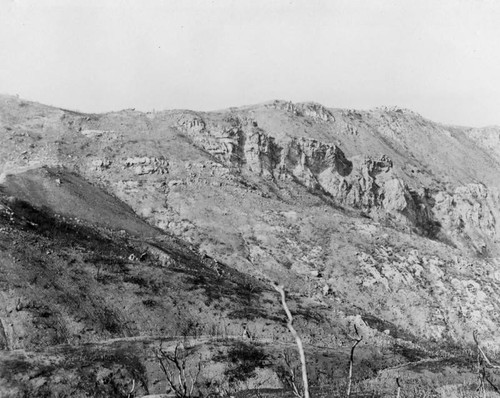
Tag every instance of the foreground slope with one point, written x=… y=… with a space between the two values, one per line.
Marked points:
x=380 y=219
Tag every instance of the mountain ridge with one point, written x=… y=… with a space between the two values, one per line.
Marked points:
x=252 y=105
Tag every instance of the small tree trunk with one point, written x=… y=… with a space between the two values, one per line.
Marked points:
x=351 y=361
x=486 y=363
x=298 y=340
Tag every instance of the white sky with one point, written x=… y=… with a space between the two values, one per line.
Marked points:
x=439 y=58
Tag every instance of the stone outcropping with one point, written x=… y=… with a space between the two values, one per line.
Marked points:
x=221 y=140
x=306 y=109
x=100 y=164
x=487 y=138
x=368 y=184
x=469 y=215
x=458 y=300
x=146 y=165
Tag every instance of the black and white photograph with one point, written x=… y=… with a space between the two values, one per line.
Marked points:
x=249 y=198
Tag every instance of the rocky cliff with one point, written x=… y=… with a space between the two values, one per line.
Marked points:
x=460 y=209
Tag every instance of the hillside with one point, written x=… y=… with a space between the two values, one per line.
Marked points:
x=123 y=231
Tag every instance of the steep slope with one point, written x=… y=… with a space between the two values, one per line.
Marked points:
x=84 y=307
x=380 y=219
x=487 y=138
x=73 y=197
x=389 y=163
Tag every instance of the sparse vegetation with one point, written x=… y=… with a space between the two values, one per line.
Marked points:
x=180 y=370
x=484 y=367
x=243 y=359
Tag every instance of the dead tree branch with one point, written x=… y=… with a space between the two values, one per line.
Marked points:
x=486 y=363
x=180 y=381
x=280 y=289
x=495 y=388
x=358 y=340
x=291 y=378
x=483 y=355
x=132 y=390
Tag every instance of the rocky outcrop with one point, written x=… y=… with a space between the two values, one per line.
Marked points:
x=469 y=216
x=487 y=138
x=458 y=298
x=100 y=164
x=241 y=143
x=146 y=165
x=260 y=152
x=307 y=109
x=463 y=215
x=365 y=183
x=362 y=186
x=306 y=159
x=221 y=140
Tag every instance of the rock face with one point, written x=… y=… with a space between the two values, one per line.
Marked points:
x=309 y=109
x=366 y=183
x=385 y=163
x=487 y=138
x=100 y=164
x=458 y=298
x=470 y=214
x=146 y=165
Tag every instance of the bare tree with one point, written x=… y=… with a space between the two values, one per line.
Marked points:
x=483 y=364
x=181 y=381
x=280 y=289
x=130 y=394
x=398 y=391
x=290 y=376
x=358 y=340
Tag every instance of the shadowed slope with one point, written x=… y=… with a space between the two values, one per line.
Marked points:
x=67 y=194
